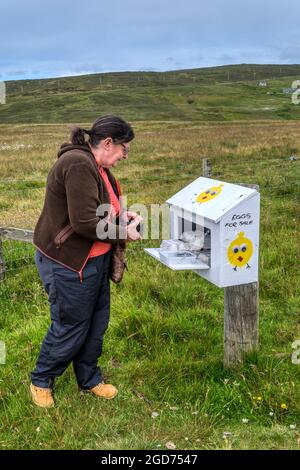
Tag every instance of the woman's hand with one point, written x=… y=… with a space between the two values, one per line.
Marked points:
x=128 y=216
x=134 y=220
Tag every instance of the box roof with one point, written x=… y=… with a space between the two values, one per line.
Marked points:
x=210 y=198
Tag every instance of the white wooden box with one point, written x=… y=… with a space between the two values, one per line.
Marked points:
x=229 y=215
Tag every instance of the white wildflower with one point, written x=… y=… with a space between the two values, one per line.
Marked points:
x=170 y=445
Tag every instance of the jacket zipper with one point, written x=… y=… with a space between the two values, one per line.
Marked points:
x=80 y=272
x=110 y=202
x=63 y=235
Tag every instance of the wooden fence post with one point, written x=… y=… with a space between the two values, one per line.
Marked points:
x=240 y=322
x=206 y=168
x=241 y=312
x=241 y=317
x=2 y=269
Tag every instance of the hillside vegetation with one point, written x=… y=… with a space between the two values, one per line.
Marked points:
x=208 y=94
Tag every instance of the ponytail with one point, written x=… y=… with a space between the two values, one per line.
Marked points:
x=77 y=136
x=106 y=126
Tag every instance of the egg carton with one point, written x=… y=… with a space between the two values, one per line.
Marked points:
x=178 y=256
x=170 y=245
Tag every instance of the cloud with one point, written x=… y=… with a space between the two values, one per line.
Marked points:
x=17 y=73
x=57 y=37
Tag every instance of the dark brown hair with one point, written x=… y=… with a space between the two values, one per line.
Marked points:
x=106 y=126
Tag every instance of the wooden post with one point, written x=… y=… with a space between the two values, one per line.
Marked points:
x=206 y=168
x=2 y=270
x=241 y=314
x=240 y=322
x=18 y=234
x=241 y=311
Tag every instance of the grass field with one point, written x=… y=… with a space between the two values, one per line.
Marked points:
x=164 y=345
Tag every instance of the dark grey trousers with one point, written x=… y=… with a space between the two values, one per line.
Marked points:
x=79 y=319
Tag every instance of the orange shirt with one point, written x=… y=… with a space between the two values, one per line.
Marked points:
x=100 y=248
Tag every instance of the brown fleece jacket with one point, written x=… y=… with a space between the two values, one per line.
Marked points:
x=69 y=224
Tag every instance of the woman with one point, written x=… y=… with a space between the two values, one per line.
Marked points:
x=79 y=224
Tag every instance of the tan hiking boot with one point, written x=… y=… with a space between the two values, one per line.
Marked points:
x=41 y=396
x=102 y=390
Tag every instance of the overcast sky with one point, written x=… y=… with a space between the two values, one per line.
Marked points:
x=51 y=38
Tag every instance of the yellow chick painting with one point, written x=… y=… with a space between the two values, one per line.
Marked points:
x=209 y=194
x=240 y=251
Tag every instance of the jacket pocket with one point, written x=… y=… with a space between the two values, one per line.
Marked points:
x=63 y=235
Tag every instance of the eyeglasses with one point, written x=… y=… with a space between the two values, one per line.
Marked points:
x=125 y=149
